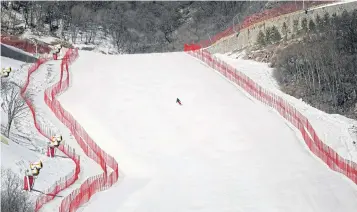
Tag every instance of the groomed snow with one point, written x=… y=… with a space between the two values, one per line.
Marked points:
x=335 y=130
x=220 y=151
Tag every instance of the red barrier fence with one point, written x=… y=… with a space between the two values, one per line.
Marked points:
x=68 y=180
x=93 y=184
x=25 y=44
x=315 y=144
x=262 y=16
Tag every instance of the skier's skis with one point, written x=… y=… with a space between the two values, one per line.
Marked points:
x=53 y=195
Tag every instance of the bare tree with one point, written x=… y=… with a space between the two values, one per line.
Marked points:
x=13 y=198
x=13 y=104
x=80 y=16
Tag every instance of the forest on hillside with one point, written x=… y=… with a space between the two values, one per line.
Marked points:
x=133 y=26
x=322 y=67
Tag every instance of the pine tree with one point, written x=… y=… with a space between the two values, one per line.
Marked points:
x=261 y=38
x=268 y=35
x=304 y=25
x=275 y=34
x=296 y=27
x=319 y=23
x=312 y=26
x=345 y=20
x=353 y=31
x=284 y=30
x=334 y=20
x=326 y=20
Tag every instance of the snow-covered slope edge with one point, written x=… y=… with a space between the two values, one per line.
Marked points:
x=312 y=140
x=33 y=144
x=95 y=183
x=335 y=130
x=70 y=178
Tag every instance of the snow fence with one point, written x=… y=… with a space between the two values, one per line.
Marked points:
x=109 y=165
x=93 y=184
x=69 y=179
x=314 y=143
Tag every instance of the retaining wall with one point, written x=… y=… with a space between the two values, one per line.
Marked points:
x=247 y=36
x=25 y=44
x=11 y=53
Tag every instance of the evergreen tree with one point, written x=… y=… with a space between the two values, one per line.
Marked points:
x=261 y=38
x=312 y=26
x=319 y=23
x=304 y=25
x=268 y=35
x=275 y=34
x=326 y=20
x=334 y=20
x=295 y=27
x=284 y=30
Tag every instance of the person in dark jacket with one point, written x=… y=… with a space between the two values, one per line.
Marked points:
x=178 y=101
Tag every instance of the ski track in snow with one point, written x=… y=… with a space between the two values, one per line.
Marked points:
x=220 y=151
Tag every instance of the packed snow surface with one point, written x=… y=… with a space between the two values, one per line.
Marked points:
x=335 y=130
x=219 y=151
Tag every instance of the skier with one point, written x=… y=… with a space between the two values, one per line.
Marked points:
x=178 y=101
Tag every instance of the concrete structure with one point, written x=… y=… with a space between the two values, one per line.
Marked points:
x=248 y=36
x=16 y=55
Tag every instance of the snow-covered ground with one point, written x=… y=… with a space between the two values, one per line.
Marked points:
x=26 y=143
x=220 y=151
x=14 y=64
x=102 y=43
x=28 y=34
x=335 y=130
x=88 y=166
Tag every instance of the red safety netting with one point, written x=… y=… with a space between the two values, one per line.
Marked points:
x=93 y=184
x=68 y=180
x=262 y=16
x=25 y=44
x=314 y=143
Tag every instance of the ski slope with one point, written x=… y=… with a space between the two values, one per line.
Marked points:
x=219 y=151
x=335 y=130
